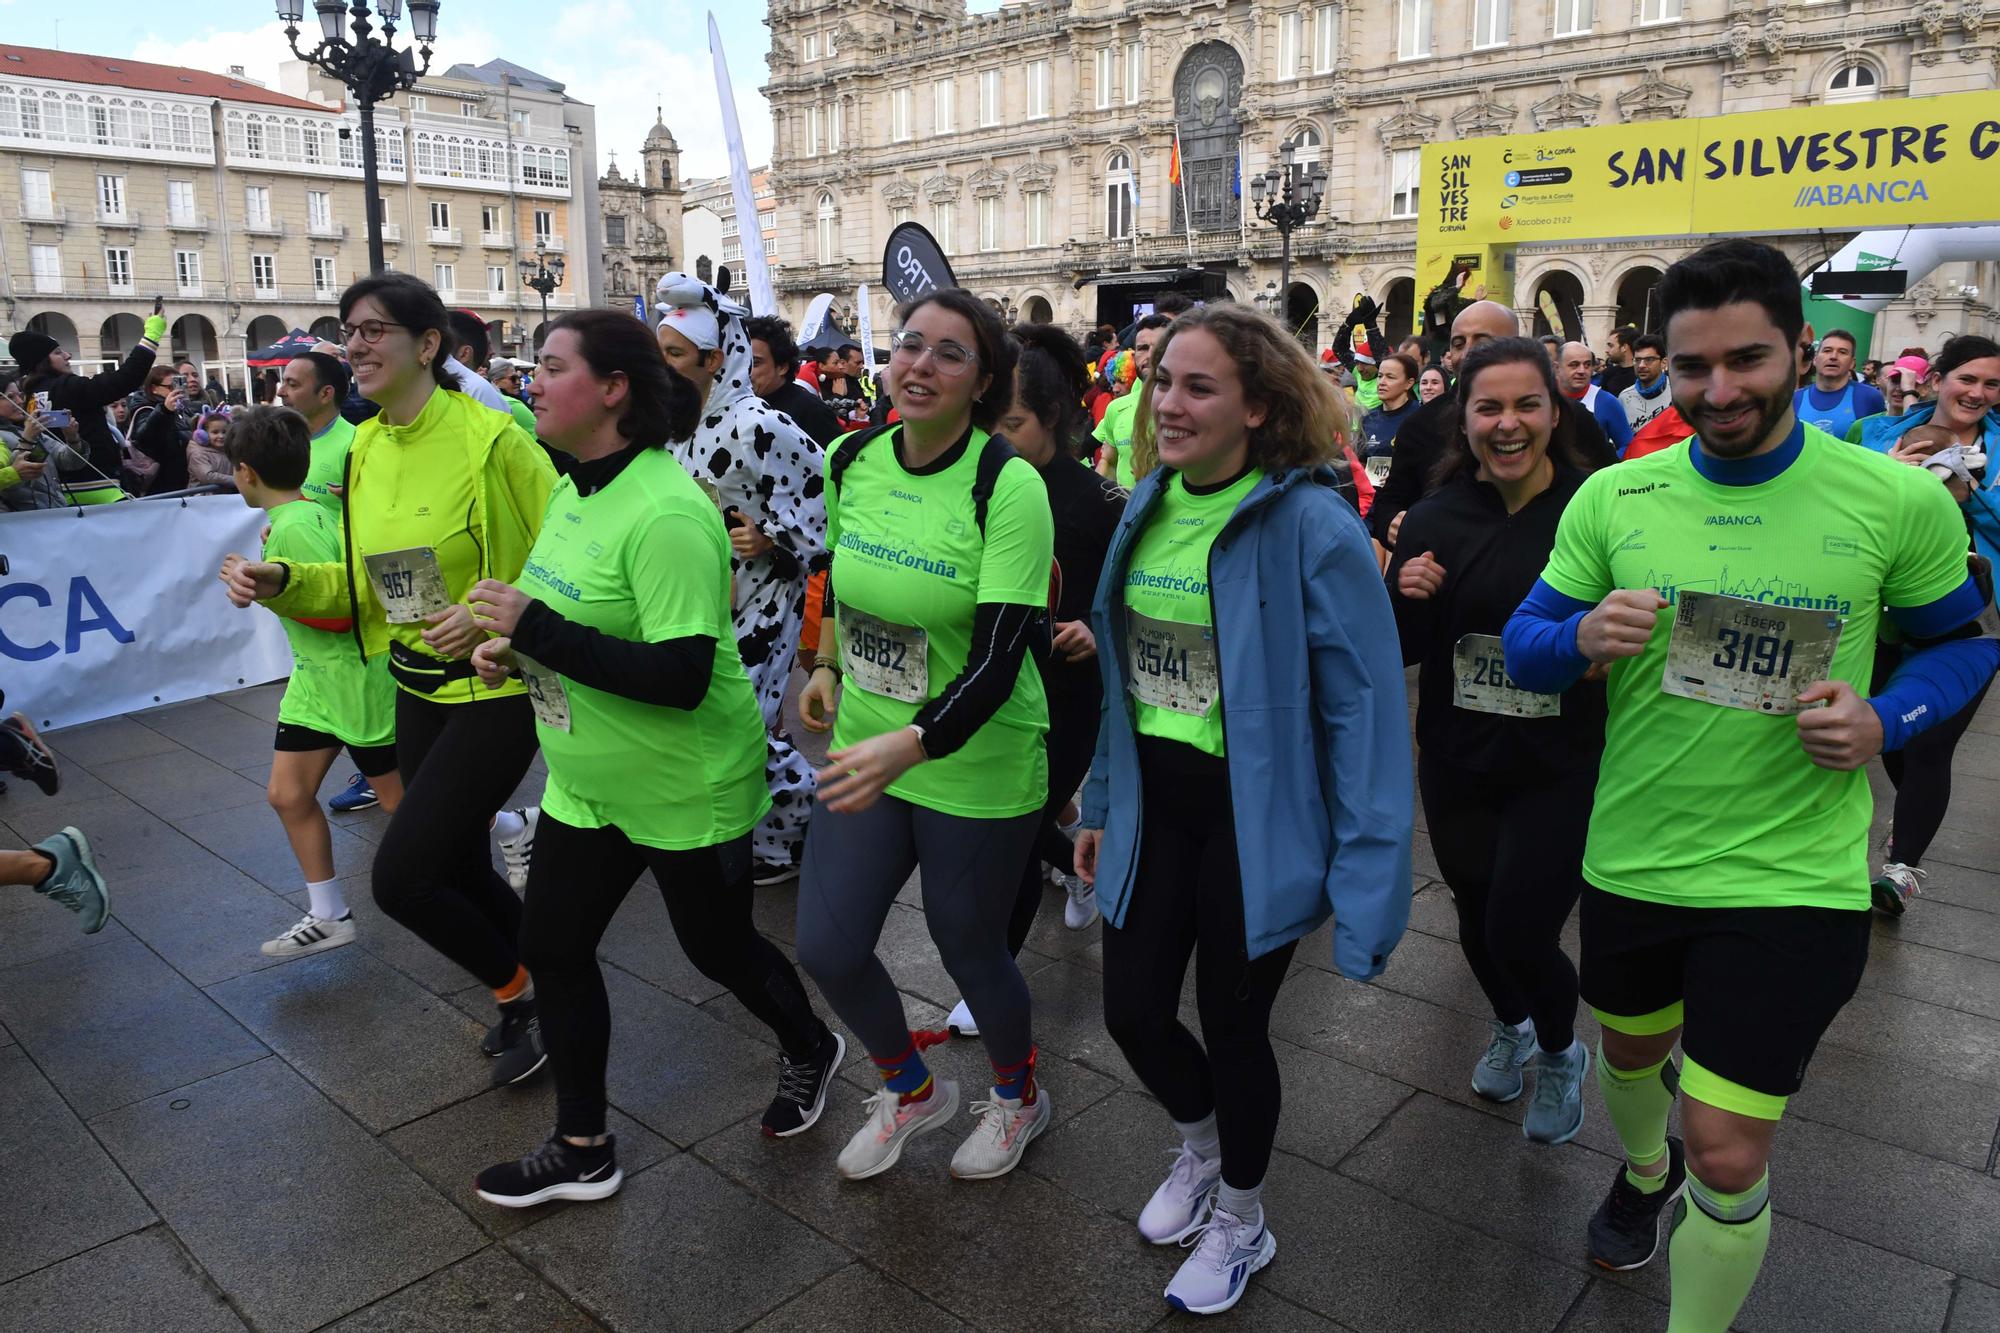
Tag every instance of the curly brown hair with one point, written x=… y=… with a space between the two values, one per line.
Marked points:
x=1305 y=418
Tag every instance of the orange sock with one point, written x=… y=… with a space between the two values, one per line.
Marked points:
x=514 y=989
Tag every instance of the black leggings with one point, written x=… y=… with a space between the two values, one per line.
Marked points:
x=576 y=882
x=434 y=870
x=1513 y=856
x=1072 y=741
x=1921 y=770
x=1187 y=900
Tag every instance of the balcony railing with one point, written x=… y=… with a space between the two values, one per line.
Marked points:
x=187 y=222
x=392 y=233
x=123 y=217
x=264 y=226
x=496 y=240
x=446 y=235
x=326 y=294
x=48 y=284
x=327 y=228
x=191 y=291
x=551 y=241
x=36 y=211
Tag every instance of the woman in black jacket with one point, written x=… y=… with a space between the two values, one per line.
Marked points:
x=1507 y=776
x=155 y=431
x=49 y=384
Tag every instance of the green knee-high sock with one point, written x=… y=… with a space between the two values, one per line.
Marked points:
x=1638 y=1101
x=1718 y=1246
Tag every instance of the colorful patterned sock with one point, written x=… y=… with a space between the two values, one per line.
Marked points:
x=906 y=1074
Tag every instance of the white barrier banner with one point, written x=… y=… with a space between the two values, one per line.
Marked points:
x=112 y=608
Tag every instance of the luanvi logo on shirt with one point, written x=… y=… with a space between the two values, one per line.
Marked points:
x=1647 y=489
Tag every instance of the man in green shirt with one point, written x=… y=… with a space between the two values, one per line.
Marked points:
x=315 y=385
x=1121 y=418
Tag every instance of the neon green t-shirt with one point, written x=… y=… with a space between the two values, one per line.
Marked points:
x=1703 y=805
x=647 y=559
x=1114 y=431
x=524 y=416
x=1367 y=394
x=329 y=460
x=908 y=557
x=331 y=688
x=1167 y=579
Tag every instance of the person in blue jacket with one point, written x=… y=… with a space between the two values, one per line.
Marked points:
x=1574 y=374
x=1252 y=774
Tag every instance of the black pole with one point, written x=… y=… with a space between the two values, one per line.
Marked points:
x=541 y=332
x=371 y=186
x=1285 y=270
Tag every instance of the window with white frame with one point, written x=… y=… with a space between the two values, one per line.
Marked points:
x=264 y=274
x=187 y=272
x=323 y=280
x=496 y=278
x=941 y=212
x=1038 y=89
x=810 y=139
x=1406 y=165
x=110 y=197
x=45 y=266
x=444 y=277
x=1107 y=76
x=1305 y=150
x=418 y=102
x=440 y=214
x=832 y=44
x=319 y=210
x=257 y=205
x=1118 y=196
x=989 y=223
x=836 y=126
x=1413 y=27
x=180 y=201
x=899 y=116
x=942 y=119
x=809 y=46
x=1853 y=82
x=989 y=97
x=545 y=224
x=826 y=230
x=1659 y=11
x=1489 y=24
x=1135 y=70
x=1326 y=38
x=1572 y=18
x=1037 y=218
x=1291 y=27
x=118 y=270
x=37 y=193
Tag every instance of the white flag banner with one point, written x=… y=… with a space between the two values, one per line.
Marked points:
x=763 y=301
x=866 y=329
x=113 y=608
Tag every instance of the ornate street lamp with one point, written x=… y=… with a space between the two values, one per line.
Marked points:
x=1287 y=198
x=542 y=274
x=370 y=66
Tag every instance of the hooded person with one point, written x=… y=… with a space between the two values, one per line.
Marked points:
x=766 y=473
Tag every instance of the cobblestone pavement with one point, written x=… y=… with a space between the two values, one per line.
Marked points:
x=194 y=1139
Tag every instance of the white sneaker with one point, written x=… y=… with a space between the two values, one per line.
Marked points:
x=960 y=1023
x=1180 y=1205
x=1081 y=909
x=892 y=1123
x=312 y=935
x=1214 y=1276
x=517 y=851
x=1006 y=1128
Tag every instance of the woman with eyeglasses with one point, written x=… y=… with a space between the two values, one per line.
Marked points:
x=942 y=542
x=1252 y=774
x=441 y=492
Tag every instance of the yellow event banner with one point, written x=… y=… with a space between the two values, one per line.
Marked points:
x=1900 y=162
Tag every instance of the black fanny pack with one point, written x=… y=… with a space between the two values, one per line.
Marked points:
x=423 y=673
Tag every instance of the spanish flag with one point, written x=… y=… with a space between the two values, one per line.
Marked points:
x=1174 y=163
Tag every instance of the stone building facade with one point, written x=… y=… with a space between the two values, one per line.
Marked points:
x=1036 y=140
x=242 y=205
x=641 y=219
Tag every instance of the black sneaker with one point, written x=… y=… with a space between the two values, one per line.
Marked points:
x=556 y=1170
x=1625 y=1229
x=802 y=1086
x=521 y=1049
x=494 y=1039
x=765 y=874
x=33 y=759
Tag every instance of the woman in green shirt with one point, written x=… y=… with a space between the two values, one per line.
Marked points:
x=942 y=544
x=620 y=627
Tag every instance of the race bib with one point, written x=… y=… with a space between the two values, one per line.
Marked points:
x=545 y=692
x=883 y=658
x=1750 y=655
x=1172 y=666
x=1377 y=468
x=408 y=584
x=1481 y=684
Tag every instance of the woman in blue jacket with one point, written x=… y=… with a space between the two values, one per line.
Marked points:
x=1252 y=774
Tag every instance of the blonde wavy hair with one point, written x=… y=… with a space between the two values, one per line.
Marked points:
x=1305 y=417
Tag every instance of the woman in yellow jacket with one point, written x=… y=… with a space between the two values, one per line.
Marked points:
x=441 y=492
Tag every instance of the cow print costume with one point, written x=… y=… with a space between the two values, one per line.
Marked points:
x=771 y=472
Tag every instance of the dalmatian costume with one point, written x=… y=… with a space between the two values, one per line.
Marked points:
x=770 y=472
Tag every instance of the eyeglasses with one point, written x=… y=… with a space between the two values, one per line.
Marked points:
x=1646 y=360
x=950 y=357
x=368 y=330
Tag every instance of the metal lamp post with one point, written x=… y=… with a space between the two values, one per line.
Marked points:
x=371 y=68
x=541 y=274
x=1288 y=198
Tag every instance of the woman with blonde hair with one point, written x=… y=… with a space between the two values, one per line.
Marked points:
x=1252 y=683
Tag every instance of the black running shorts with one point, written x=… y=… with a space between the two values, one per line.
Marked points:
x=372 y=760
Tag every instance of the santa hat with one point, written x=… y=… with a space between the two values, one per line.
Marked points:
x=1364 y=354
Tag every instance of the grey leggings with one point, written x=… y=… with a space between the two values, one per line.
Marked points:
x=854 y=867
